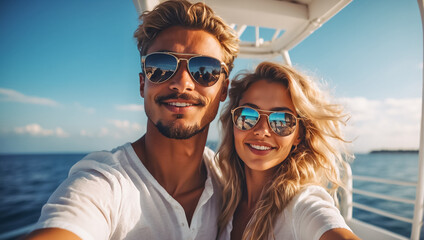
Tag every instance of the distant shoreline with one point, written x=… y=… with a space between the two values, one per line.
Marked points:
x=393 y=151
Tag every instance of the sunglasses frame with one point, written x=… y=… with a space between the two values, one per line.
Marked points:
x=267 y=115
x=190 y=56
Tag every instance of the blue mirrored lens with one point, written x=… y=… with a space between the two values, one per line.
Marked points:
x=245 y=118
x=205 y=70
x=282 y=123
x=159 y=67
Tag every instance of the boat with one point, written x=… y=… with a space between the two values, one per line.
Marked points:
x=293 y=21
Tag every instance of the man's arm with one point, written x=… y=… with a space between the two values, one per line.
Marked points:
x=51 y=234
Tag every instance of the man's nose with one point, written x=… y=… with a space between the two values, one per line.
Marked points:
x=182 y=81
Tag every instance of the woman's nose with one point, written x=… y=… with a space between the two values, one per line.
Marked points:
x=262 y=128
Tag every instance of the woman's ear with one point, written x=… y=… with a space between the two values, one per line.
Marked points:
x=300 y=134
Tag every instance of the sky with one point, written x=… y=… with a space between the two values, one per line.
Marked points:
x=69 y=74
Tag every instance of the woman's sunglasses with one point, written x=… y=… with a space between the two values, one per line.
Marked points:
x=281 y=123
x=161 y=66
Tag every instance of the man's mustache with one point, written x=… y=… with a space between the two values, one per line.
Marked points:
x=182 y=96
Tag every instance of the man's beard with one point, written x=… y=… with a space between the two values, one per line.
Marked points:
x=170 y=131
x=178 y=132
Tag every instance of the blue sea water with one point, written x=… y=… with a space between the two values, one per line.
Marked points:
x=27 y=180
x=395 y=166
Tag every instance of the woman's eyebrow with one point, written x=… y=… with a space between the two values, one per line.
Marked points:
x=283 y=109
x=250 y=105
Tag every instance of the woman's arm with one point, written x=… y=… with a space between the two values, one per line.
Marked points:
x=339 y=234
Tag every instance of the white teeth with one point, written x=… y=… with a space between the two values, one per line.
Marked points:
x=259 y=147
x=178 y=104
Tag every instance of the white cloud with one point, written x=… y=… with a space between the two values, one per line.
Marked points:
x=11 y=95
x=35 y=129
x=61 y=133
x=125 y=125
x=103 y=132
x=131 y=107
x=125 y=129
x=117 y=129
x=383 y=124
x=88 y=110
x=85 y=133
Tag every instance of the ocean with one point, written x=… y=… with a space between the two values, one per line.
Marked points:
x=395 y=166
x=27 y=181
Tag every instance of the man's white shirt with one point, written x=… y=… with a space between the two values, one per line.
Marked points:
x=111 y=195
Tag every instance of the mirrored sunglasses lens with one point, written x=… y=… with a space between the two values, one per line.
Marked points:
x=282 y=123
x=159 y=67
x=245 y=118
x=205 y=70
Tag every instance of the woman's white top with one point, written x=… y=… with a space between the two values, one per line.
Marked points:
x=308 y=215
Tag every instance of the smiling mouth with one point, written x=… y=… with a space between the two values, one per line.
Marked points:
x=180 y=100
x=259 y=147
x=179 y=104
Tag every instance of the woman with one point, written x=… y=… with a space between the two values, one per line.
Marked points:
x=280 y=156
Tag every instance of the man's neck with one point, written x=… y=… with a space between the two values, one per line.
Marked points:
x=176 y=164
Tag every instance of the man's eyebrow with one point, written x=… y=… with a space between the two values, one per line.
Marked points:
x=162 y=50
x=283 y=109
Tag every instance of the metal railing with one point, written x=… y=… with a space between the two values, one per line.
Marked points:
x=416 y=222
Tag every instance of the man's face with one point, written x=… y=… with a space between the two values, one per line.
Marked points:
x=181 y=107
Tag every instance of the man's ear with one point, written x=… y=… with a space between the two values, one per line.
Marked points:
x=224 y=89
x=142 y=79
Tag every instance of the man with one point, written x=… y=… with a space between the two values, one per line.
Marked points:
x=163 y=185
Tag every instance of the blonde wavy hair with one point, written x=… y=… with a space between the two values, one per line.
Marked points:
x=317 y=159
x=188 y=15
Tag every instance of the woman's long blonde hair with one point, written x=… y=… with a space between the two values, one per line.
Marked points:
x=316 y=160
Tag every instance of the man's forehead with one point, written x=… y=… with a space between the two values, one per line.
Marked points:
x=185 y=40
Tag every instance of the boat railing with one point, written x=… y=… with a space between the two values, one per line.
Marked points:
x=383 y=196
x=347 y=204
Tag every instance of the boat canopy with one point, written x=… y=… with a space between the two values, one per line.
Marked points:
x=278 y=25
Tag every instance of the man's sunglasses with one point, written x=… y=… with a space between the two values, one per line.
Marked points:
x=281 y=123
x=161 y=66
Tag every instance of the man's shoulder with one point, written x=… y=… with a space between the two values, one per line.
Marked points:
x=103 y=160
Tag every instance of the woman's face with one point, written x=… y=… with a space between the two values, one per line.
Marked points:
x=259 y=147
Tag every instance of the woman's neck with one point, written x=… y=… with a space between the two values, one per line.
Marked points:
x=255 y=183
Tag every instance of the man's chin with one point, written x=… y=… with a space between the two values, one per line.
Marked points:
x=178 y=132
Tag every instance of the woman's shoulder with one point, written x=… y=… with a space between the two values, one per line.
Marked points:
x=210 y=158
x=312 y=192
x=308 y=200
x=314 y=209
